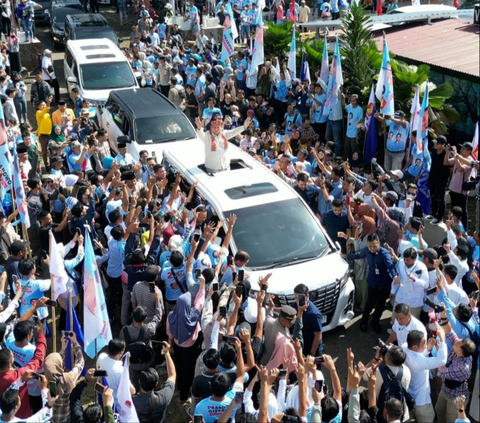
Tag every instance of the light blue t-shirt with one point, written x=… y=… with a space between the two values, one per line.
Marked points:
x=417 y=162
x=116 y=257
x=317 y=115
x=21 y=356
x=397 y=136
x=33 y=290
x=212 y=410
x=354 y=115
x=173 y=292
x=293 y=122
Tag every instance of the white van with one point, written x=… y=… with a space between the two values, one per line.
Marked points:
x=274 y=225
x=96 y=67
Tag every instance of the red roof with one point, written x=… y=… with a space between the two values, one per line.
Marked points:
x=450 y=44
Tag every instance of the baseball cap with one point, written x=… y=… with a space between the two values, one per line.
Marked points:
x=252 y=150
x=399 y=113
x=17 y=246
x=397 y=173
x=391 y=195
x=430 y=253
x=56 y=159
x=75 y=144
x=47 y=51
x=467 y=145
x=441 y=140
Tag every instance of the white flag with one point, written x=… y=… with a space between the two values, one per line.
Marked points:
x=127 y=409
x=57 y=269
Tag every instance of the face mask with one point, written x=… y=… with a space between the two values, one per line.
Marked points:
x=411 y=196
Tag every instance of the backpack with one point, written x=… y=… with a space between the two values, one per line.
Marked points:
x=475 y=338
x=140 y=352
x=392 y=388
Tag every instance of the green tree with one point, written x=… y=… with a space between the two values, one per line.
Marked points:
x=277 y=38
x=358 y=51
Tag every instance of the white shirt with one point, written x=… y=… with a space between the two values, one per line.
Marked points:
x=402 y=331
x=217 y=160
x=432 y=281
x=114 y=370
x=411 y=292
x=420 y=365
x=461 y=265
x=455 y=294
x=46 y=62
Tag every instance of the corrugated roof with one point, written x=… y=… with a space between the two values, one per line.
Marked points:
x=450 y=44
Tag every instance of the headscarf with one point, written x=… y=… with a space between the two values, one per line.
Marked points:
x=54 y=368
x=57 y=138
x=368 y=227
x=184 y=318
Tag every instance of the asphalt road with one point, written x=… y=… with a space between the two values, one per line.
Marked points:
x=336 y=341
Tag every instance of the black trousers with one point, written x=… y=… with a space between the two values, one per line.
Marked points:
x=460 y=200
x=437 y=194
x=376 y=299
x=185 y=360
x=56 y=88
x=116 y=293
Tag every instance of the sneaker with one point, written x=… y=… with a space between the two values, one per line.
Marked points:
x=435 y=222
x=429 y=217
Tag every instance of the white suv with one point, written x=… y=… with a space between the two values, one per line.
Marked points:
x=274 y=225
x=96 y=67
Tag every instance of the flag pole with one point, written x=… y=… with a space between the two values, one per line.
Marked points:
x=54 y=311
x=70 y=312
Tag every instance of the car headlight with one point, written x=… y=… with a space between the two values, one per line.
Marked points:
x=344 y=279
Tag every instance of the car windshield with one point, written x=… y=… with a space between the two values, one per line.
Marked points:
x=60 y=13
x=275 y=233
x=95 y=32
x=163 y=128
x=104 y=76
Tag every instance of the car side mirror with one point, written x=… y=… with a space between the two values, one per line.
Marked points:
x=72 y=79
x=124 y=139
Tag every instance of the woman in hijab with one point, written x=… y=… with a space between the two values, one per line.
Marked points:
x=65 y=380
x=56 y=141
x=183 y=328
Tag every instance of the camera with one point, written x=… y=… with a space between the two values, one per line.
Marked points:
x=434 y=305
x=382 y=347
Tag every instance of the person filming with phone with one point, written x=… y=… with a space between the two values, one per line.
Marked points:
x=311 y=319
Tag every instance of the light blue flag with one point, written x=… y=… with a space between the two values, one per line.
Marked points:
x=292 y=57
x=384 y=91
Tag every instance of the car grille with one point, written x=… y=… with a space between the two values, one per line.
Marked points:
x=325 y=298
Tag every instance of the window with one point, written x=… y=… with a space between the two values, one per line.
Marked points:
x=245 y=191
x=69 y=58
x=163 y=128
x=106 y=75
x=277 y=233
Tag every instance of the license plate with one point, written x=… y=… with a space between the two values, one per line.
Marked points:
x=324 y=319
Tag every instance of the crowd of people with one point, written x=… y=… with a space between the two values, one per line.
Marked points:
x=181 y=303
